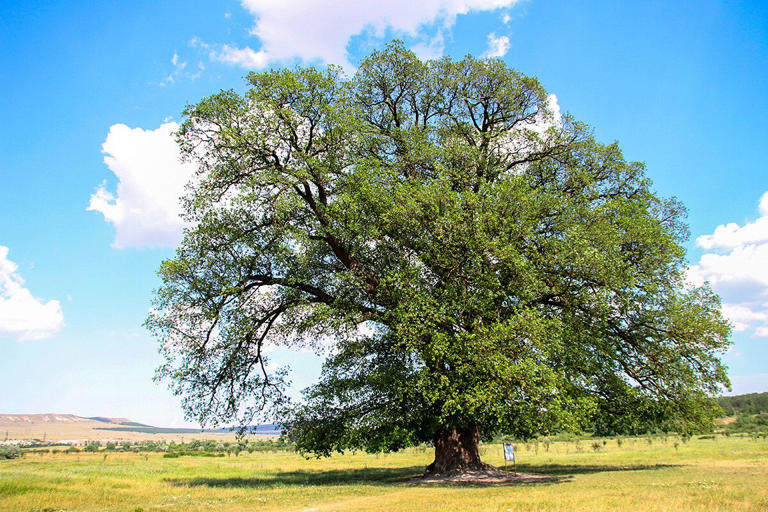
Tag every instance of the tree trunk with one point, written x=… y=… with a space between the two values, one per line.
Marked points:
x=457 y=451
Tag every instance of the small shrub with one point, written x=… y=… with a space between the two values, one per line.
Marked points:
x=9 y=452
x=176 y=455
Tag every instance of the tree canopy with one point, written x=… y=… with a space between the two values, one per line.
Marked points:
x=470 y=261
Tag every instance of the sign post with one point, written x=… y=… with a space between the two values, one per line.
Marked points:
x=509 y=454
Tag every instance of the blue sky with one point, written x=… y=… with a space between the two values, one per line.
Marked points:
x=88 y=177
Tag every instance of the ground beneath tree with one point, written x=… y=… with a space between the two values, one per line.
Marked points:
x=487 y=475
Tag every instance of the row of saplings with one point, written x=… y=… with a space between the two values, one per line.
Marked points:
x=211 y=448
x=204 y=448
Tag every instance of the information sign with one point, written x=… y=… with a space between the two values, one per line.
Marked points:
x=509 y=455
x=509 y=452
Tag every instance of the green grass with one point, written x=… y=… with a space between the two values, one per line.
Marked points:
x=704 y=474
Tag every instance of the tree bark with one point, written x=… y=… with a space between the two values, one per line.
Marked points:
x=457 y=451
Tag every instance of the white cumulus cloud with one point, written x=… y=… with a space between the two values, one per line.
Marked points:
x=736 y=265
x=311 y=30
x=498 y=46
x=180 y=70
x=145 y=207
x=244 y=57
x=742 y=317
x=431 y=48
x=22 y=315
x=731 y=236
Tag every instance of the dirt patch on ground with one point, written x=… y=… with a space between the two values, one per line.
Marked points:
x=489 y=476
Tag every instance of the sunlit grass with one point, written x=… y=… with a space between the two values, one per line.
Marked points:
x=667 y=474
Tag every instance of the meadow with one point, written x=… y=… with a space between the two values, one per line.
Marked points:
x=650 y=474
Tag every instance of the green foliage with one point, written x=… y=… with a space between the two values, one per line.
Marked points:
x=751 y=411
x=750 y=423
x=474 y=260
x=637 y=416
x=751 y=403
x=92 y=446
x=9 y=451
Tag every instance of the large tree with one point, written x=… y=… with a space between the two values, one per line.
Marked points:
x=470 y=262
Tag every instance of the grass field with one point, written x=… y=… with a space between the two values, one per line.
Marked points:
x=703 y=474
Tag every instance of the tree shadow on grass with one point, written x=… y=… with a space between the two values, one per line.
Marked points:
x=542 y=475
x=362 y=476
x=576 y=469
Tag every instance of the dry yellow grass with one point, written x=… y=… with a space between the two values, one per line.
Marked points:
x=702 y=475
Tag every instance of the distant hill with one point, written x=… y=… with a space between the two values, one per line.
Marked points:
x=269 y=429
x=69 y=427
x=752 y=403
x=116 y=421
x=37 y=419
